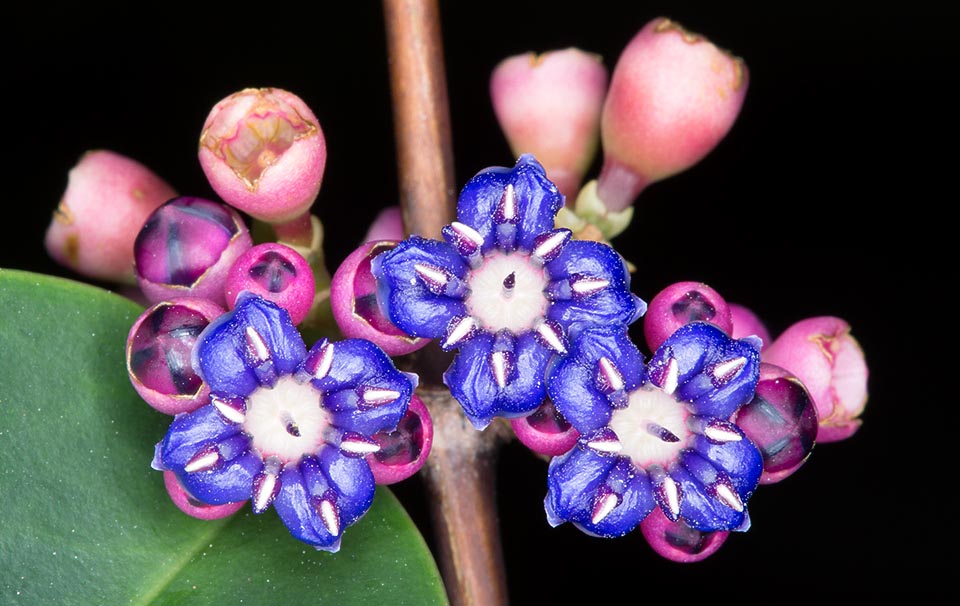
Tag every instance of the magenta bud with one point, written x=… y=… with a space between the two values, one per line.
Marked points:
x=549 y=105
x=680 y=304
x=545 y=431
x=91 y=231
x=678 y=542
x=186 y=248
x=781 y=420
x=823 y=354
x=275 y=272
x=264 y=152
x=189 y=505
x=387 y=225
x=673 y=96
x=159 y=348
x=747 y=323
x=353 y=299
x=404 y=450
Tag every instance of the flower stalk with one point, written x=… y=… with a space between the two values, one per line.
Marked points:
x=459 y=472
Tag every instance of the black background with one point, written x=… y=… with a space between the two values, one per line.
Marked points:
x=828 y=197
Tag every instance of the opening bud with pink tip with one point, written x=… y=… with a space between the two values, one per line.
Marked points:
x=159 y=348
x=387 y=225
x=781 y=420
x=186 y=248
x=673 y=96
x=678 y=542
x=682 y=303
x=277 y=273
x=823 y=354
x=108 y=196
x=353 y=300
x=402 y=452
x=264 y=153
x=545 y=431
x=549 y=105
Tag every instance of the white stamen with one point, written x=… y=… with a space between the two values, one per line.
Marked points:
x=546 y=248
x=605 y=444
x=468 y=233
x=431 y=275
x=728 y=497
x=232 y=414
x=355 y=445
x=203 y=462
x=463 y=328
x=719 y=432
x=264 y=492
x=611 y=374
x=501 y=367
x=603 y=507
x=326 y=360
x=377 y=396
x=725 y=371
x=550 y=335
x=672 y=493
x=330 y=516
x=671 y=378
x=508 y=203
x=588 y=286
x=256 y=345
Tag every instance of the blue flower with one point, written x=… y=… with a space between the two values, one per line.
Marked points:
x=657 y=434
x=285 y=426
x=505 y=289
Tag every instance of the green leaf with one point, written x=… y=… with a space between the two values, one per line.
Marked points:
x=86 y=521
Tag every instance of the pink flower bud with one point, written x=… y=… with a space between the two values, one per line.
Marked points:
x=781 y=420
x=186 y=503
x=823 y=354
x=747 y=323
x=678 y=542
x=545 y=431
x=277 y=273
x=108 y=197
x=353 y=299
x=159 y=349
x=264 y=152
x=186 y=248
x=682 y=303
x=673 y=96
x=403 y=451
x=549 y=105
x=387 y=225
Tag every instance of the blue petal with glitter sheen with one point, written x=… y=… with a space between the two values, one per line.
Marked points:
x=538 y=201
x=403 y=297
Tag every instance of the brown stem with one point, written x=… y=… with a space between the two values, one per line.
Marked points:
x=459 y=473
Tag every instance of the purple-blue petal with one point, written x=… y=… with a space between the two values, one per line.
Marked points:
x=538 y=201
x=228 y=483
x=353 y=482
x=699 y=509
x=402 y=295
x=189 y=432
x=699 y=348
x=471 y=380
x=296 y=507
x=741 y=460
x=572 y=385
x=573 y=480
x=613 y=304
x=222 y=354
x=636 y=501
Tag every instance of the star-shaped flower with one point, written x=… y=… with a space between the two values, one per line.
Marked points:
x=285 y=426
x=506 y=289
x=657 y=434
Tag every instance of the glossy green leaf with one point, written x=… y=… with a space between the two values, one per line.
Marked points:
x=86 y=521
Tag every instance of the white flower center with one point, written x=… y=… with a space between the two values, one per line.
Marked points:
x=506 y=291
x=652 y=428
x=287 y=420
